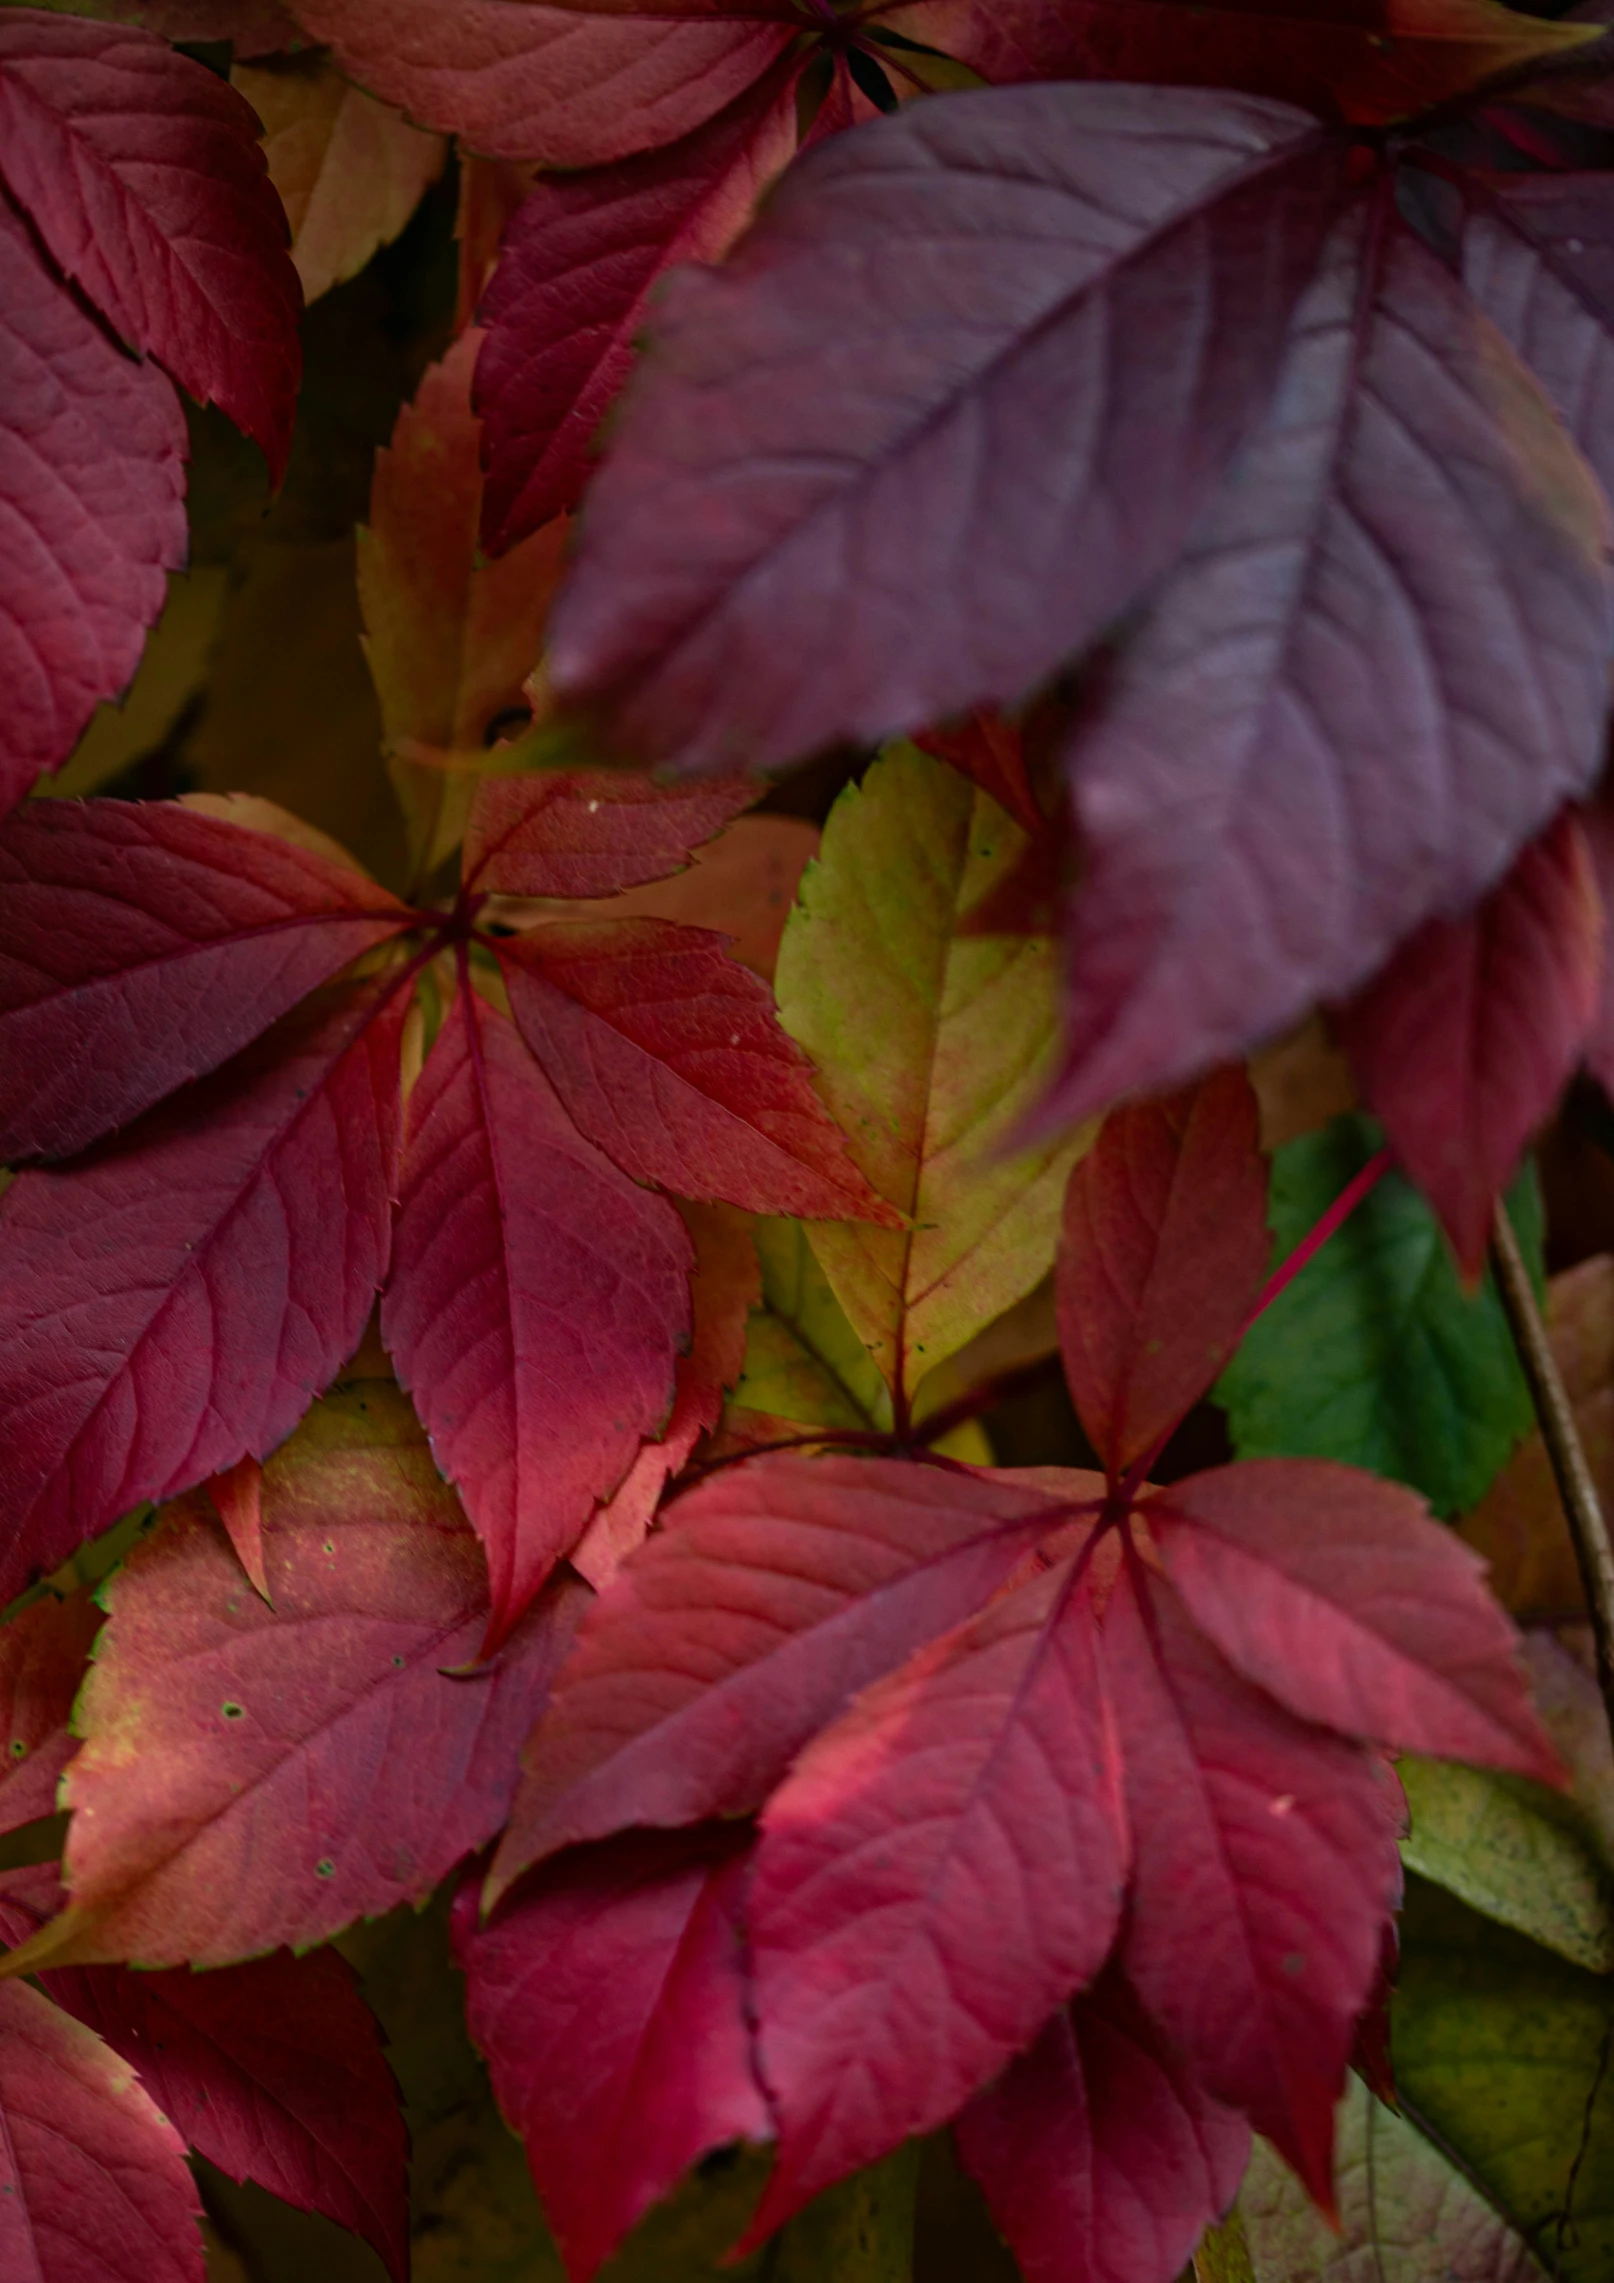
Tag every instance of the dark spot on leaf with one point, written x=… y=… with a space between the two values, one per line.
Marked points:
x=19 y=1750
x=233 y=1711
x=325 y=1868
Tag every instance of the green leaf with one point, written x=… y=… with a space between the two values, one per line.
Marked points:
x=1502 y=2055
x=1406 y=2213
x=1375 y=1354
x=932 y=1048
x=802 y=1358
x=1510 y=1849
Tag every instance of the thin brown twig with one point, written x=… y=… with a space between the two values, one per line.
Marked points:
x=1583 y=1509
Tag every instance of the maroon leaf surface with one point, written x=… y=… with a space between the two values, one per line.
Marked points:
x=142 y=174
x=142 y=945
x=950 y=406
x=92 y=450
x=537 y=1304
x=1165 y=1249
x=568 y=298
x=670 y=1058
x=1098 y=2151
x=1463 y=1044
x=591 y=832
x=178 y=1299
x=94 y=2187
x=1379 y=669
x=992 y=751
x=571 y=83
x=608 y=2000
x=43 y=1653
x=254 y=1775
x=274 y=2072
x=942 y=1867
x=781 y=1589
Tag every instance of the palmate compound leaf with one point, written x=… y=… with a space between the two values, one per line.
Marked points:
x=253 y=1775
x=931 y=1048
x=94 y=2187
x=141 y=945
x=571 y=83
x=239 y=1234
x=1098 y=2152
x=537 y=1304
x=952 y=347
x=568 y=297
x=1400 y=591
x=1463 y=1043
x=92 y=476
x=272 y=2070
x=629 y=1954
x=43 y=1653
x=1165 y=1250
x=142 y=174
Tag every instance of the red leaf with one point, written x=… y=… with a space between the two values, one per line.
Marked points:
x=274 y=2072
x=1092 y=316
x=251 y=1775
x=572 y=83
x=567 y=300
x=239 y=1235
x=941 y=1869
x=92 y=450
x=669 y=1056
x=1098 y=2151
x=1462 y=1045
x=94 y=2187
x=141 y=946
x=537 y=1302
x=782 y=1587
x=237 y=1499
x=43 y=1653
x=1401 y=593
x=1336 y=1592
x=727 y=1286
x=1266 y=1866
x=590 y=833
x=629 y=1954
x=141 y=171
x=991 y=751
x=1597 y=824
x=1164 y=1250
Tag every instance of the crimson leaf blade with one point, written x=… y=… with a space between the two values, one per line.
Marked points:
x=591 y=832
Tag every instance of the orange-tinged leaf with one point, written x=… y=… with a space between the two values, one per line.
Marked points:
x=237 y=1497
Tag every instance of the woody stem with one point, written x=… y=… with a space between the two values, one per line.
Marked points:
x=1583 y=1509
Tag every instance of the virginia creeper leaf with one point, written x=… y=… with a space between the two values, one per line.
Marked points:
x=1098 y=2151
x=991 y=750
x=1403 y=2206
x=803 y=1360
x=43 y=1652
x=449 y=640
x=1369 y=59
x=1009 y=276
x=240 y=1234
x=1164 y=1251
x=1335 y=1592
x=631 y=1951
x=94 y=2187
x=572 y=83
x=253 y=27
x=568 y=297
x=142 y=174
x=1503 y=1851
x=237 y=1500
x=930 y=1049
x=726 y=1285
x=252 y=1775
x=92 y=474
x=349 y=171
x=1401 y=591
x=784 y=1587
x=1265 y=1869
x=942 y=1866
x=667 y=1055
x=1375 y=1354
x=537 y=1302
x=141 y=945
x=1498 y=2048
x=1462 y=1045
x=589 y=833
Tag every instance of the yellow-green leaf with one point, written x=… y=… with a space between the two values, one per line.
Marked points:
x=1509 y=1849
